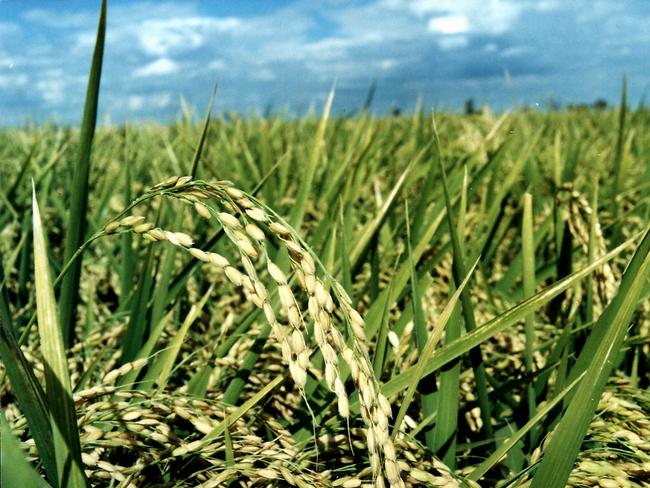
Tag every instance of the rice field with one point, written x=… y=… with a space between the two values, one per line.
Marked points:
x=416 y=300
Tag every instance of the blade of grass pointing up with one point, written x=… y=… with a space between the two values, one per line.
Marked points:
x=15 y=470
x=427 y=384
x=63 y=420
x=76 y=225
x=459 y=271
x=528 y=257
x=519 y=312
x=597 y=359
x=446 y=428
x=427 y=352
x=30 y=396
x=298 y=211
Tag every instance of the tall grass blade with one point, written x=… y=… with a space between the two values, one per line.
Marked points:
x=76 y=225
x=31 y=398
x=512 y=441
x=57 y=377
x=462 y=345
x=427 y=385
x=597 y=359
x=427 y=353
x=528 y=256
x=299 y=207
x=15 y=470
x=459 y=272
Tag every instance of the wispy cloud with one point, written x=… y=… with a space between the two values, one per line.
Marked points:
x=159 y=67
x=444 y=50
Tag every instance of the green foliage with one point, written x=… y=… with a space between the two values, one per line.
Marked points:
x=553 y=320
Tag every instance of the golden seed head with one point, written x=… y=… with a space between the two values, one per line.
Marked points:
x=183 y=239
x=293 y=315
x=111 y=227
x=297 y=342
x=234 y=275
x=268 y=312
x=286 y=297
x=279 y=229
x=202 y=210
x=256 y=214
x=247 y=247
x=234 y=193
x=199 y=254
x=276 y=273
x=229 y=220
x=218 y=259
x=330 y=375
x=328 y=353
x=303 y=358
x=393 y=339
x=308 y=265
x=142 y=228
x=157 y=234
x=255 y=232
x=132 y=220
x=298 y=374
x=171 y=181
x=183 y=180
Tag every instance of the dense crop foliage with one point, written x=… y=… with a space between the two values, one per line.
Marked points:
x=358 y=301
x=165 y=340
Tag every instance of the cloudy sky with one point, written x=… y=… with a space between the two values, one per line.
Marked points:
x=286 y=54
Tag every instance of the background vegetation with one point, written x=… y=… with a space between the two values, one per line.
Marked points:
x=500 y=264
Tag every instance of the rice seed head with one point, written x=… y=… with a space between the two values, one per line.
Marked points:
x=171 y=181
x=234 y=193
x=229 y=220
x=131 y=220
x=199 y=254
x=234 y=275
x=202 y=210
x=111 y=227
x=218 y=259
x=286 y=297
x=142 y=228
x=255 y=232
x=276 y=273
x=157 y=234
x=279 y=229
x=247 y=248
x=257 y=214
x=183 y=180
x=183 y=239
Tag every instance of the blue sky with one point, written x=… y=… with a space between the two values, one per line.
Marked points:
x=286 y=54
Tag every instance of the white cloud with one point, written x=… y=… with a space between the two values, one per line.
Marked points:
x=449 y=43
x=159 y=67
x=217 y=65
x=52 y=87
x=13 y=80
x=484 y=16
x=136 y=103
x=449 y=24
x=60 y=20
x=162 y=36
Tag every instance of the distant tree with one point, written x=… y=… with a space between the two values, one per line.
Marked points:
x=469 y=106
x=600 y=104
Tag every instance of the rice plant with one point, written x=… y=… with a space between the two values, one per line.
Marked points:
x=422 y=300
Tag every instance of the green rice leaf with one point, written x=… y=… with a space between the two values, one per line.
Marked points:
x=597 y=359
x=63 y=419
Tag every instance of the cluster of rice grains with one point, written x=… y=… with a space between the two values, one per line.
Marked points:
x=247 y=223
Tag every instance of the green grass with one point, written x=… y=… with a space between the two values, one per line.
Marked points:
x=506 y=305
x=136 y=298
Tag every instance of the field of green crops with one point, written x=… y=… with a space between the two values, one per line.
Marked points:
x=417 y=300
